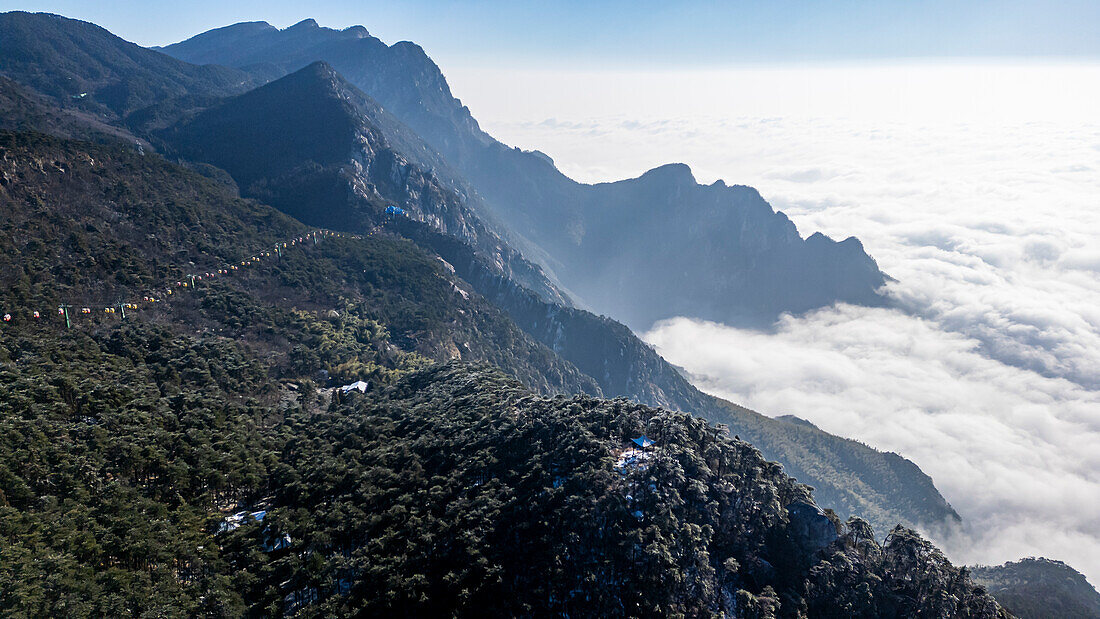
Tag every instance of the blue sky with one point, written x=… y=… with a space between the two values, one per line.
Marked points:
x=643 y=32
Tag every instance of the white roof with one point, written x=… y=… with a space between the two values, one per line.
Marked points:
x=357 y=385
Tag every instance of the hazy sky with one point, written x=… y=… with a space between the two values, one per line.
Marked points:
x=633 y=33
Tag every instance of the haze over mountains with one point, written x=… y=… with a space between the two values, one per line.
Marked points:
x=644 y=234
x=334 y=148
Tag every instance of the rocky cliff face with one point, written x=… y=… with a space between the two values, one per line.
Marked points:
x=640 y=250
x=657 y=237
x=622 y=364
x=319 y=150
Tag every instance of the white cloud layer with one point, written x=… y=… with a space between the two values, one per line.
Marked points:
x=977 y=187
x=1015 y=452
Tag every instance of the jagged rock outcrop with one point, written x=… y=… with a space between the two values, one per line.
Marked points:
x=810 y=527
x=904 y=577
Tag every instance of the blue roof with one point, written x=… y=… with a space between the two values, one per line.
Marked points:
x=643 y=441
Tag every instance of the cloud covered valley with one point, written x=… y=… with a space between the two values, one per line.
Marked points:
x=976 y=187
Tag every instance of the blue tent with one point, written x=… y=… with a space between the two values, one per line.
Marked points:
x=642 y=441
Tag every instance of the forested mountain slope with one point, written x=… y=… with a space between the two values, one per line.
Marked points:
x=1037 y=588
x=23 y=109
x=84 y=66
x=455 y=492
x=460 y=493
x=91 y=225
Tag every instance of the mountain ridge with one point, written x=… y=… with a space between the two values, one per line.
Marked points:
x=83 y=65
x=273 y=150
x=551 y=215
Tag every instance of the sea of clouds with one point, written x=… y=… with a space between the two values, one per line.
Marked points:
x=976 y=186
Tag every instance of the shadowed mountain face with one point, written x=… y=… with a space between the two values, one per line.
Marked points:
x=642 y=249
x=22 y=109
x=320 y=150
x=657 y=236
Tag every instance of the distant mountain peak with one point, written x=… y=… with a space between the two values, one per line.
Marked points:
x=252 y=26
x=413 y=49
x=311 y=29
x=679 y=173
x=850 y=244
x=305 y=116
x=309 y=85
x=244 y=28
x=319 y=69
x=306 y=24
